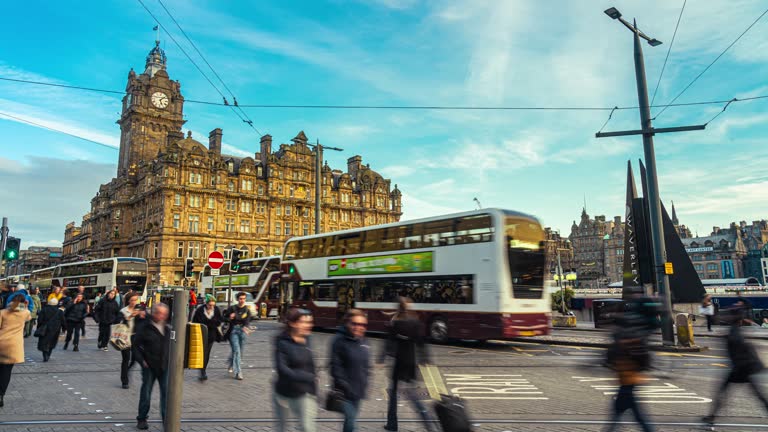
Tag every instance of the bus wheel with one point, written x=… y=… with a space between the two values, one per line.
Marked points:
x=438 y=330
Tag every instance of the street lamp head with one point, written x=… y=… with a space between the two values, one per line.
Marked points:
x=654 y=42
x=613 y=13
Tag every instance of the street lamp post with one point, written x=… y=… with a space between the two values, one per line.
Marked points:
x=654 y=204
x=318 y=179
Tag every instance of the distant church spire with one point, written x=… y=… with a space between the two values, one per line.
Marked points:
x=675 y=222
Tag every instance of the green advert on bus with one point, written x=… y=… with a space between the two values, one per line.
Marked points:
x=223 y=281
x=382 y=264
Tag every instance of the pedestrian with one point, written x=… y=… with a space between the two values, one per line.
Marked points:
x=351 y=364
x=50 y=322
x=131 y=314
x=65 y=299
x=106 y=312
x=12 y=320
x=296 y=384
x=36 y=307
x=406 y=345
x=55 y=294
x=97 y=299
x=81 y=291
x=118 y=297
x=210 y=316
x=628 y=365
x=192 y=302
x=765 y=323
x=745 y=362
x=75 y=314
x=708 y=310
x=239 y=317
x=151 y=344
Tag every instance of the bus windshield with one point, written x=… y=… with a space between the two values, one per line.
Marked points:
x=131 y=275
x=526 y=255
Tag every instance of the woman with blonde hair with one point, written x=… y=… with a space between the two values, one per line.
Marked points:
x=12 y=320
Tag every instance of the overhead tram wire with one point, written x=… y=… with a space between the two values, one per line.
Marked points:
x=234 y=98
x=194 y=64
x=29 y=122
x=710 y=65
x=403 y=107
x=669 y=50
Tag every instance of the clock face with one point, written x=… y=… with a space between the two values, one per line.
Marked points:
x=159 y=100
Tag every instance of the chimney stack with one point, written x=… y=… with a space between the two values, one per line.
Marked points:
x=214 y=141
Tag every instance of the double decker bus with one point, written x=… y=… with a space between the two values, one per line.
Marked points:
x=42 y=279
x=257 y=276
x=473 y=275
x=100 y=275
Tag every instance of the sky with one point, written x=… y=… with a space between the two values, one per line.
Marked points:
x=405 y=53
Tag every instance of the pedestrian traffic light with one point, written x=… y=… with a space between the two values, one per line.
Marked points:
x=234 y=265
x=189 y=267
x=12 y=247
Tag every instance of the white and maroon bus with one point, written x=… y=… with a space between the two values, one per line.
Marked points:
x=473 y=275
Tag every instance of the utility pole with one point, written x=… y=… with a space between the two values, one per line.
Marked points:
x=176 y=361
x=318 y=179
x=4 y=233
x=654 y=204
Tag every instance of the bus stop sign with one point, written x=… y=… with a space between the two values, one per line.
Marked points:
x=215 y=260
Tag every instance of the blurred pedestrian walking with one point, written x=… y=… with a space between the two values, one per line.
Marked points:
x=406 y=346
x=210 y=316
x=239 y=317
x=106 y=312
x=12 y=320
x=628 y=360
x=351 y=364
x=708 y=310
x=35 y=311
x=49 y=324
x=151 y=345
x=75 y=314
x=745 y=362
x=131 y=314
x=296 y=385
x=55 y=294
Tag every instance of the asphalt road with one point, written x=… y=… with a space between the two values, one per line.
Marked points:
x=508 y=386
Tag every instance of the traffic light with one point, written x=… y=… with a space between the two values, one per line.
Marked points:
x=12 y=247
x=234 y=265
x=189 y=267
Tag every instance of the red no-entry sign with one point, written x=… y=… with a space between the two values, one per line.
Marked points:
x=215 y=260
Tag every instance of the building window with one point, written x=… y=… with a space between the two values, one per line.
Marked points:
x=176 y=221
x=247 y=185
x=245 y=206
x=205 y=250
x=229 y=225
x=279 y=189
x=231 y=186
x=231 y=167
x=177 y=199
x=259 y=171
x=193 y=249
x=231 y=205
x=278 y=228
x=210 y=223
x=287 y=229
x=292 y=189
x=260 y=229
x=117 y=214
x=305 y=212
x=261 y=207
x=306 y=230
x=288 y=210
x=195 y=178
x=261 y=189
x=156 y=250
x=344 y=216
x=194 y=223
x=194 y=201
x=245 y=226
x=279 y=210
x=211 y=202
x=180 y=249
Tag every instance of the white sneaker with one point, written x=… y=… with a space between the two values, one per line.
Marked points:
x=239 y=377
x=230 y=370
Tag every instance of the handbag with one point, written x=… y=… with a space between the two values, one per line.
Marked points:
x=40 y=331
x=334 y=400
x=224 y=330
x=121 y=337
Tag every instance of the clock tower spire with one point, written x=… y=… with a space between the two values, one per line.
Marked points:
x=152 y=107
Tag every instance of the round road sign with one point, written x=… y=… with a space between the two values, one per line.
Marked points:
x=215 y=259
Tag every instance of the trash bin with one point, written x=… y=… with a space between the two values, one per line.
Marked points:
x=684 y=323
x=263 y=310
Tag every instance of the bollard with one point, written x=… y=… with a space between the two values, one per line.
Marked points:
x=176 y=362
x=684 y=329
x=263 y=310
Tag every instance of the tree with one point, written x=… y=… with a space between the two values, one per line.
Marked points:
x=557 y=302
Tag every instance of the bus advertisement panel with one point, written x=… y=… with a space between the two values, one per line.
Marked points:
x=381 y=264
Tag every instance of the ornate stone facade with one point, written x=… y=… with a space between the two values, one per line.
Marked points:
x=613 y=245
x=175 y=198
x=589 y=253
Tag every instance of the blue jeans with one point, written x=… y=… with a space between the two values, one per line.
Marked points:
x=350 y=410
x=303 y=407
x=237 y=342
x=148 y=377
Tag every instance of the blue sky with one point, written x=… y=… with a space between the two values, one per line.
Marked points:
x=402 y=52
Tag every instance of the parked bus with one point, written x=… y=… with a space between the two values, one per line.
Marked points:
x=257 y=276
x=103 y=274
x=473 y=275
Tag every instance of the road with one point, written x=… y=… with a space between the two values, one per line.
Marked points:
x=508 y=386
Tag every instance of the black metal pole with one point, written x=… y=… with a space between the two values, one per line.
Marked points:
x=176 y=361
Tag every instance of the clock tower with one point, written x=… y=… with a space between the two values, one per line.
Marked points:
x=152 y=107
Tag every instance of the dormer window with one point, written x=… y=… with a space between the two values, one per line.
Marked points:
x=231 y=167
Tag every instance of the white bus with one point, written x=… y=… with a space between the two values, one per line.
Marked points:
x=256 y=276
x=13 y=280
x=473 y=275
x=42 y=279
x=103 y=274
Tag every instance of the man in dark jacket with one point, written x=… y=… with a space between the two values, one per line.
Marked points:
x=75 y=313
x=745 y=362
x=351 y=364
x=150 y=348
x=106 y=312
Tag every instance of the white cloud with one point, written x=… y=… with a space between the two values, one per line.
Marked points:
x=396 y=4
x=415 y=208
x=397 y=171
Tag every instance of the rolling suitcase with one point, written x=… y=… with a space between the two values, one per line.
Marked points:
x=452 y=414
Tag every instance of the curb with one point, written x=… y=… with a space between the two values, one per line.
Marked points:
x=652 y=347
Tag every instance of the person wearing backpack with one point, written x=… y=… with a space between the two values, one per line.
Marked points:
x=106 y=312
x=351 y=364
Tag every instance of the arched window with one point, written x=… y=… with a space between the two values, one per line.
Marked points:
x=258 y=252
x=245 y=251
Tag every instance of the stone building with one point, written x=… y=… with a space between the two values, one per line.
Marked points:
x=613 y=246
x=174 y=198
x=555 y=241
x=719 y=256
x=588 y=242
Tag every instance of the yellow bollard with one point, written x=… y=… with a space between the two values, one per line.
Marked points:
x=194 y=352
x=684 y=330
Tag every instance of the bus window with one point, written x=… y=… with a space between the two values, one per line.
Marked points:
x=473 y=229
x=371 y=241
x=413 y=235
x=433 y=232
x=302 y=291
x=292 y=249
x=324 y=291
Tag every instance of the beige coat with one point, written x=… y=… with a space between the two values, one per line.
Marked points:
x=12 y=335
